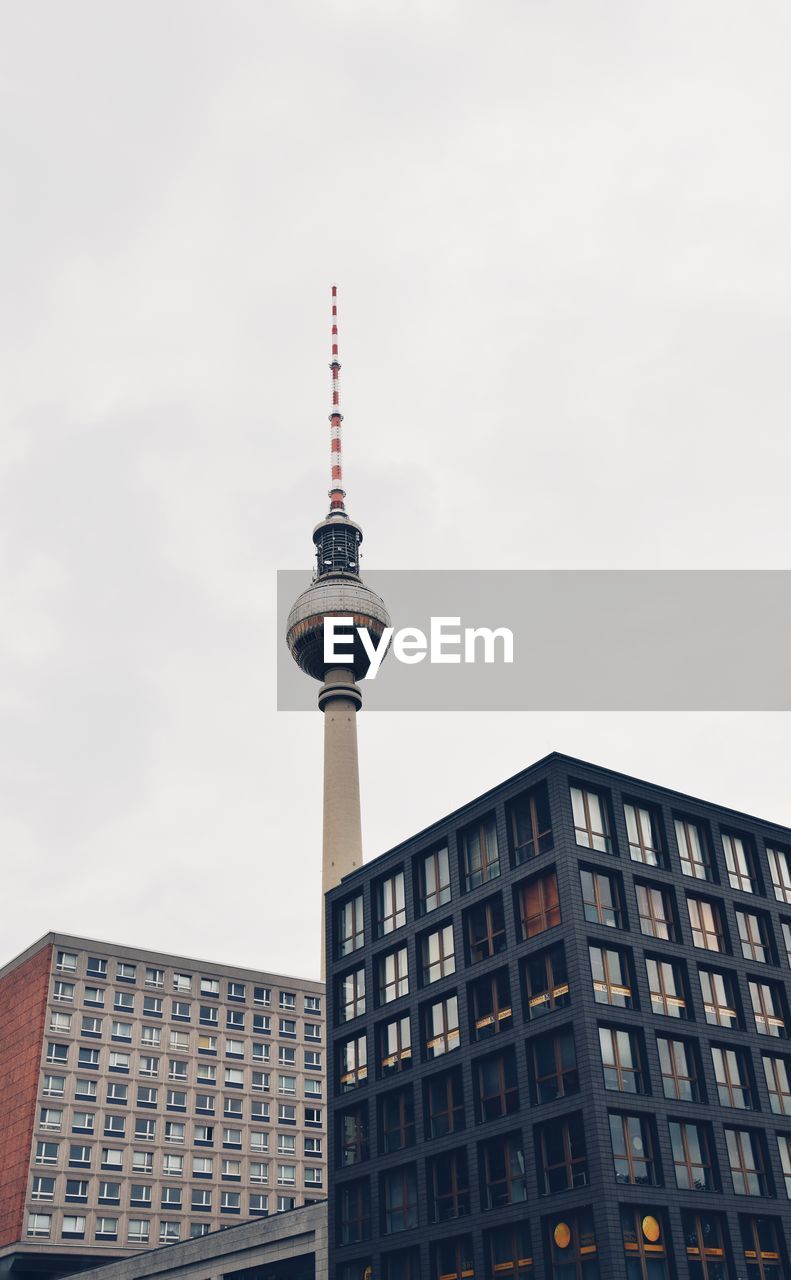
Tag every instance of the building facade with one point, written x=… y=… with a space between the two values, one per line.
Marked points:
x=558 y=1040
x=149 y=1098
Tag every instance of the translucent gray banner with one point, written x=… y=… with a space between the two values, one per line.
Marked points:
x=651 y=640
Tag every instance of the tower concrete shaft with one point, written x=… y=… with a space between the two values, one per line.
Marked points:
x=342 y=843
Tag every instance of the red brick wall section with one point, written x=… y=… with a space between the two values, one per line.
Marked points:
x=23 y=1006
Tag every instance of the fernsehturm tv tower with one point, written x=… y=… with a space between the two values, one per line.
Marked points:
x=337 y=590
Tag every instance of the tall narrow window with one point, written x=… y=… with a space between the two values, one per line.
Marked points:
x=354 y=1212
x=720 y=1001
x=485 y=930
x=768 y=1011
x=591 y=819
x=509 y=1252
x=453 y=1259
x=564 y=1159
x=497 y=1093
x=572 y=1246
x=437 y=955
x=601 y=898
x=443 y=1104
x=531 y=824
x=448 y=1186
x=539 y=905
x=762 y=1249
x=693 y=848
x=612 y=982
x=395 y=1046
x=441 y=1027
x=353 y=1139
x=691 y=1146
x=502 y=1166
x=645 y=836
x=553 y=1061
x=350 y=926
x=706 y=1245
x=644 y=1249
x=491 y=1010
x=392 y=976
x=747 y=1161
x=678 y=1062
x=433 y=880
x=778 y=1081
x=351 y=995
x=546 y=982
x=705 y=919
x=622 y=1060
x=780 y=867
x=479 y=852
x=732 y=1071
x=784 y=1151
x=667 y=987
x=740 y=861
x=754 y=937
x=352 y=1063
x=633 y=1150
x=390 y=904
x=655 y=911
x=399 y=1200
x=396 y=1121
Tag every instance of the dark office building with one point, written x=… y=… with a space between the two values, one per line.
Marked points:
x=559 y=1023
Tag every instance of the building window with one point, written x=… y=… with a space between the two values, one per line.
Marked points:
x=785 y=925
x=441 y=1027
x=496 y=1090
x=612 y=983
x=601 y=898
x=437 y=955
x=42 y=1189
x=592 y=827
x=350 y=998
x=502 y=1166
x=644 y=832
x=762 y=1249
x=491 y=1011
x=667 y=987
x=784 y=1149
x=403 y=1265
x=47 y=1152
x=780 y=866
x=443 y=1104
x=553 y=1060
x=720 y=1002
x=546 y=981
x=693 y=848
x=539 y=905
x=778 y=1083
x=644 y=1249
x=767 y=1003
x=747 y=1162
x=655 y=911
x=106 y=1229
x=732 y=1072
x=705 y=919
x=399 y=1200
x=622 y=1060
x=679 y=1067
x=390 y=904
x=453 y=1259
x=39 y=1224
x=73 y=1227
x=352 y=1063
x=509 y=1252
x=96 y=967
x=350 y=929
x=138 y=1231
x=63 y=991
x=485 y=930
x=480 y=855
x=740 y=861
x=448 y=1186
x=633 y=1150
x=392 y=976
x=563 y=1157
x=396 y=1121
x=531 y=824
x=754 y=937
x=395 y=1046
x=66 y=962
x=433 y=880
x=692 y=1159
x=706 y=1248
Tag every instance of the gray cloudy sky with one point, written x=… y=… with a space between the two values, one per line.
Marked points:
x=561 y=234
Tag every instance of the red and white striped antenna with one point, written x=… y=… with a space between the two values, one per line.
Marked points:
x=337 y=492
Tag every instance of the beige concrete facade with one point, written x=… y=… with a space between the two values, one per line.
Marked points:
x=175 y=1096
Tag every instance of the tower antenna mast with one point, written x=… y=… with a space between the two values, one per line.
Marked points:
x=337 y=491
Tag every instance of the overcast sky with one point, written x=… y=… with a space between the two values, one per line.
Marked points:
x=561 y=237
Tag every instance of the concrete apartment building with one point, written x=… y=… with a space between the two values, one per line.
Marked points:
x=558 y=1032
x=150 y=1098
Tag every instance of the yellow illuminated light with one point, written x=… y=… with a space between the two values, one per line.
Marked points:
x=651 y=1228
x=562 y=1235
